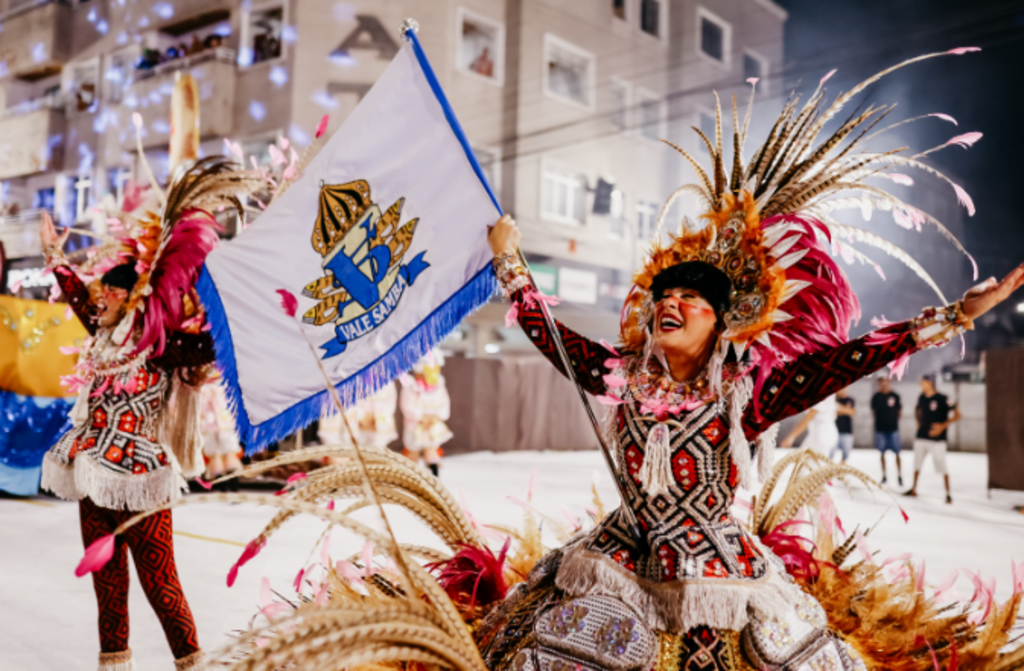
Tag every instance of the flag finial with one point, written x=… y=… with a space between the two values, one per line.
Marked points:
x=409 y=24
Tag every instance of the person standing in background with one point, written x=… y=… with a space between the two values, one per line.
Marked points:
x=845 y=412
x=887 y=408
x=933 y=418
x=820 y=424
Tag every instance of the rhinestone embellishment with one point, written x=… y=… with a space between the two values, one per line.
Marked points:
x=615 y=635
x=569 y=619
x=777 y=632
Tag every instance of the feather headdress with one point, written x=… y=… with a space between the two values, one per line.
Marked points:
x=769 y=224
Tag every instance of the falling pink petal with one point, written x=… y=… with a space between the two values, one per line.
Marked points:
x=608 y=399
x=97 y=555
x=905 y=180
x=827 y=77
x=289 y=303
x=512 y=316
x=959 y=51
x=966 y=140
x=204 y=484
x=753 y=80
x=964 y=198
x=321 y=127
x=614 y=381
x=945 y=117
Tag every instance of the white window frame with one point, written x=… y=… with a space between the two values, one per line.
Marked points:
x=552 y=40
x=627 y=105
x=548 y=165
x=461 y=15
x=245 y=37
x=646 y=95
x=130 y=54
x=726 y=27
x=652 y=209
x=762 y=84
x=496 y=153
x=663 y=20
x=627 y=225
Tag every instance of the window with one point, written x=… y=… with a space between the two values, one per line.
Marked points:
x=646 y=216
x=261 y=39
x=568 y=72
x=563 y=194
x=619 y=9
x=649 y=110
x=83 y=86
x=81 y=188
x=481 y=48
x=44 y=199
x=617 y=224
x=650 y=17
x=619 y=104
x=116 y=178
x=714 y=37
x=755 y=66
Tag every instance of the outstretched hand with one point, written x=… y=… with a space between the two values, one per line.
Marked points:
x=48 y=235
x=503 y=236
x=990 y=293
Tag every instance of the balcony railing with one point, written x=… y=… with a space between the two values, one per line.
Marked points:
x=221 y=54
x=50 y=102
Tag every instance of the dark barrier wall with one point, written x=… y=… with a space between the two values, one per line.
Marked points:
x=514 y=404
x=1004 y=376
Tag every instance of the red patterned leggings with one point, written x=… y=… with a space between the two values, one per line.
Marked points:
x=153 y=553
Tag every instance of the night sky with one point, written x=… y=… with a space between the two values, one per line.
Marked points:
x=983 y=91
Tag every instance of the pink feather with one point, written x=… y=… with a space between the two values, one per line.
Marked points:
x=920 y=577
x=321 y=127
x=277 y=156
x=607 y=399
x=898 y=367
x=1017 y=571
x=946 y=584
x=295 y=477
x=250 y=551
x=965 y=199
x=614 y=381
x=862 y=545
x=965 y=140
x=97 y=555
x=828 y=76
x=959 y=51
x=204 y=484
x=945 y=117
x=512 y=316
x=289 y=303
x=753 y=80
x=532 y=484
x=905 y=180
x=68 y=313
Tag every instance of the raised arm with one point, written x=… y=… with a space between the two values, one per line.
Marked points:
x=586 y=357
x=74 y=290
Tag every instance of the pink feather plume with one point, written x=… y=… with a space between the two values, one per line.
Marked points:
x=289 y=303
x=964 y=198
x=959 y=51
x=945 y=117
x=321 y=127
x=97 y=555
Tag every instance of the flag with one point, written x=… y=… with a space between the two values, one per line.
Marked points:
x=384 y=242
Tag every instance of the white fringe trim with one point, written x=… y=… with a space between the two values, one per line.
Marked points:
x=739 y=446
x=117 y=661
x=680 y=605
x=656 y=471
x=84 y=477
x=766 y=443
x=194 y=662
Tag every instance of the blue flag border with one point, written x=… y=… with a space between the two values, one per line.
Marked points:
x=400 y=358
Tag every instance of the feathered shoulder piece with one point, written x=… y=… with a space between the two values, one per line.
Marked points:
x=768 y=223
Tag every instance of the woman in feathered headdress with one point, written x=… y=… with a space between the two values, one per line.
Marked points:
x=731 y=327
x=135 y=428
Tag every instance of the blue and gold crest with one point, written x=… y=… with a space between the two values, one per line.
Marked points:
x=363 y=274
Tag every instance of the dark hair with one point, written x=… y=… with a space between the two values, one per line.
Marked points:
x=930 y=377
x=123 y=276
x=713 y=284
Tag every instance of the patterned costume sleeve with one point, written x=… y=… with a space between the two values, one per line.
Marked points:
x=586 y=356
x=76 y=294
x=811 y=378
x=186 y=350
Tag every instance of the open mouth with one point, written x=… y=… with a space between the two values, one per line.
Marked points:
x=670 y=323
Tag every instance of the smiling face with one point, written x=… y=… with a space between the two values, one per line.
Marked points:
x=684 y=323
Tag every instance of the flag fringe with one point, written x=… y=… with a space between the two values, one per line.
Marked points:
x=400 y=358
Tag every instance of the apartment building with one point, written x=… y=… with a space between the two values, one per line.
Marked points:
x=564 y=101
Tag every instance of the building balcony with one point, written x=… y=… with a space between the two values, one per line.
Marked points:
x=149 y=94
x=19 y=234
x=31 y=138
x=35 y=38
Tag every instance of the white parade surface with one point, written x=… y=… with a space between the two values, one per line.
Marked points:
x=48 y=616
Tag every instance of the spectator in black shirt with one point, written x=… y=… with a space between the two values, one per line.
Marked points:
x=886 y=407
x=933 y=418
x=845 y=412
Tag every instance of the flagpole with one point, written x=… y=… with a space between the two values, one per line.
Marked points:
x=549 y=322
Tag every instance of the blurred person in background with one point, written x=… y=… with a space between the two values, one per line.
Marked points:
x=820 y=424
x=886 y=408
x=934 y=414
x=846 y=410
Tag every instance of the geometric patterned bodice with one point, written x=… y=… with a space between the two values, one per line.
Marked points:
x=122 y=433
x=690 y=530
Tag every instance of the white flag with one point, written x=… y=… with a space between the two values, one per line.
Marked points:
x=384 y=242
